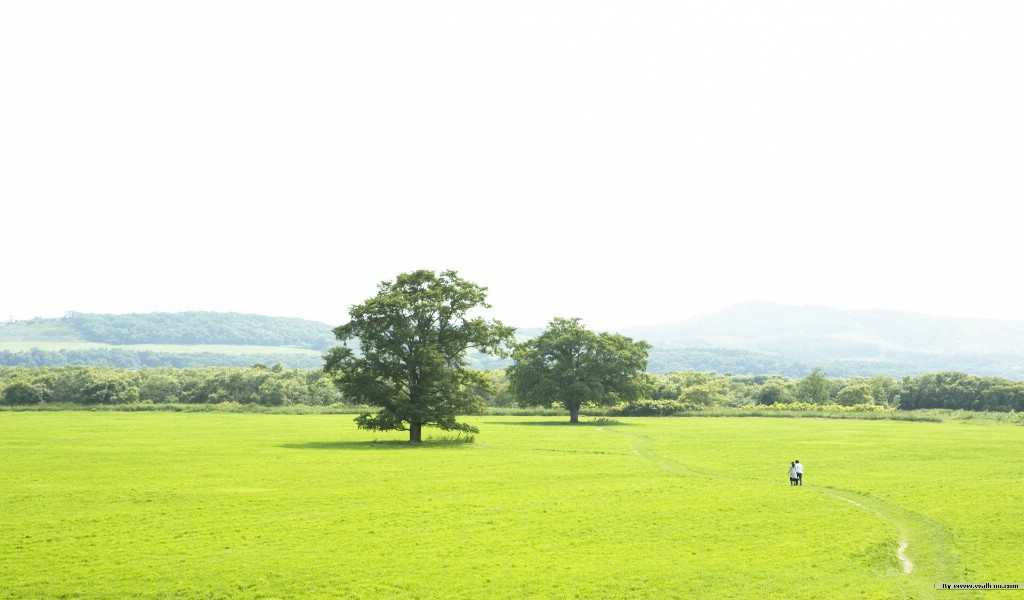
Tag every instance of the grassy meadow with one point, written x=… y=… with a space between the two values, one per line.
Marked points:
x=206 y=505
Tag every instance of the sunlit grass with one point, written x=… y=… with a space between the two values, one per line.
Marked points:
x=159 y=505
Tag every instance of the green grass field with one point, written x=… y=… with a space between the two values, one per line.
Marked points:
x=166 y=505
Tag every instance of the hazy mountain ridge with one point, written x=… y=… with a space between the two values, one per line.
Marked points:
x=849 y=342
x=174 y=328
x=187 y=339
x=753 y=338
x=766 y=326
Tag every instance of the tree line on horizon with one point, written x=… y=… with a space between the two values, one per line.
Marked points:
x=660 y=394
x=403 y=354
x=660 y=361
x=120 y=358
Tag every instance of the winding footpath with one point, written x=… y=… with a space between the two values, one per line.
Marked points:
x=901 y=549
x=919 y=536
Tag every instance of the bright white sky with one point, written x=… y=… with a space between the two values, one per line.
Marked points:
x=627 y=162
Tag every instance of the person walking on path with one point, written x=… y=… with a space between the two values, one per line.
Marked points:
x=792 y=473
x=799 y=472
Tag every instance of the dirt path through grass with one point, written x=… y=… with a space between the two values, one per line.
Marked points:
x=919 y=536
x=906 y=564
x=923 y=552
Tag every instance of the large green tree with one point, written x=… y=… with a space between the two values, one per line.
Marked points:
x=411 y=357
x=569 y=365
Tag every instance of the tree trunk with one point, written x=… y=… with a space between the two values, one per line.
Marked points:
x=415 y=432
x=574 y=414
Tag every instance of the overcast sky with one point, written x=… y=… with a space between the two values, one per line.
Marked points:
x=626 y=162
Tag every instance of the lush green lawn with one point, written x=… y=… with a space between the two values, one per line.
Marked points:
x=158 y=505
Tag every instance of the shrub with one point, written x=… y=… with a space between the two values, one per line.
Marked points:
x=22 y=393
x=647 y=407
x=807 y=406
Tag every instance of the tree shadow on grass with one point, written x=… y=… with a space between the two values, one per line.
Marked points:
x=380 y=445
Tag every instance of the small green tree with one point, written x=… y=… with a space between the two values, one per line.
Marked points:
x=775 y=391
x=855 y=393
x=885 y=391
x=158 y=385
x=814 y=388
x=411 y=360
x=108 y=386
x=23 y=393
x=702 y=390
x=569 y=365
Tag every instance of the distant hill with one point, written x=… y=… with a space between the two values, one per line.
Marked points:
x=763 y=337
x=165 y=339
x=174 y=328
x=754 y=338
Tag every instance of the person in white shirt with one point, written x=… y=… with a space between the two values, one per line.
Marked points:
x=792 y=473
x=799 y=472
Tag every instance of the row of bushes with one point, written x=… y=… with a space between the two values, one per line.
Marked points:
x=650 y=408
x=690 y=390
x=256 y=385
x=666 y=394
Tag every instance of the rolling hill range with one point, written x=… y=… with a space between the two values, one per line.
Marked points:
x=188 y=339
x=791 y=340
x=754 y=338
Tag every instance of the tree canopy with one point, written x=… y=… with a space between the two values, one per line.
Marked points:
x=411 y=359
x=814 y=388
x=569 y=365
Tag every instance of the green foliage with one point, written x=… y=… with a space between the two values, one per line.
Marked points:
x=571 y=366
x=946 y=390
x=201 y=328
x=960 y=391
x=108 y=387
x=668 y=359
x=814 y=388
x=710 y=392
x=857 y=393
x=647 y=407
x=687 y=391
x=496 y=392
x=776 y=391
x=884 y=390
x=122 y=358
x=192 y=339
x=96 y=386
x=23 y=393
x=693 y=390
x=38 y=330
x=412 y=340
x=810 y=406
